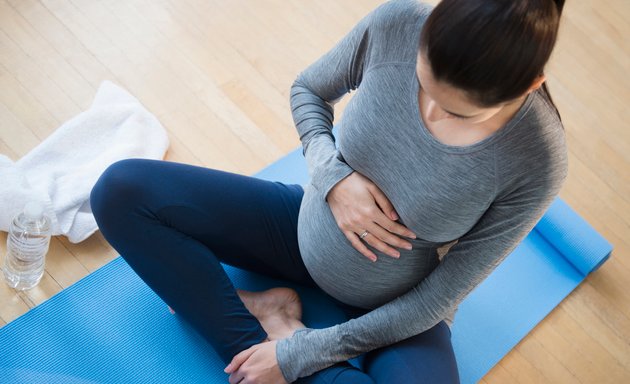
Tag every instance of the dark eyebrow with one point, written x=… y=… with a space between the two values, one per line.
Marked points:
x=450 y=113
x=458 y=115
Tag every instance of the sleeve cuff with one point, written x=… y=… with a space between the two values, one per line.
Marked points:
x=288 y=366
x=327 y=176
x=302 y=355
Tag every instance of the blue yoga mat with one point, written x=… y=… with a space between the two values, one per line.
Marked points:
x=111 y=328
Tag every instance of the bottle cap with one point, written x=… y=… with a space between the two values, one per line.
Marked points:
x=34 y=210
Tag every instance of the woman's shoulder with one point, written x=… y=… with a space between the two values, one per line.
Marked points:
x=393 y=31
x=396 y=12
x=535 y=148
x=543 y=124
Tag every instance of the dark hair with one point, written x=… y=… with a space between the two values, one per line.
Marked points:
x=492 y=49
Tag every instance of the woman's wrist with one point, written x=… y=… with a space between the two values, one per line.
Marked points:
x=297 y=330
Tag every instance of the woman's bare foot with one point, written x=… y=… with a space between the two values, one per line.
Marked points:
x=279 y=310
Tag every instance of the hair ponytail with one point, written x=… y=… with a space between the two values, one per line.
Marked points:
x=559 y=6
x=492 y=49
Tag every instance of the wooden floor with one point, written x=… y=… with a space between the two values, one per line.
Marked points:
x=217 y=75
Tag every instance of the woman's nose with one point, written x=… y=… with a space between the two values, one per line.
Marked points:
x=435 y=113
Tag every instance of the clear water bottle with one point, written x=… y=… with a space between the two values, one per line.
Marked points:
x=27 y=245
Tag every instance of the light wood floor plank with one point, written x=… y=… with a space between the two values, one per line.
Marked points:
x=22 y=33
x=16 y=136
x=594 y=364
x=26 y=108
x=499 y=375
x=522 y=369
x=545 y=362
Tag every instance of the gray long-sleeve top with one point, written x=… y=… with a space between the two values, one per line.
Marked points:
x=488 y=195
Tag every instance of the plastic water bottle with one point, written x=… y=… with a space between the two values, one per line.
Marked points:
x=27 y=245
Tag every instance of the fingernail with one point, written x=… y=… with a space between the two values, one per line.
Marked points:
x=394 y=215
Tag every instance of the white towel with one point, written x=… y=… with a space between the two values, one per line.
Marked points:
x=61 y=171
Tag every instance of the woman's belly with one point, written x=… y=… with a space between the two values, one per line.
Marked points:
x=343 y=272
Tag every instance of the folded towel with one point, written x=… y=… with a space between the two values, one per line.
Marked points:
x=61 y=171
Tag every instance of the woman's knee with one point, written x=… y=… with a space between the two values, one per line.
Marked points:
x=118 y=186
x=428 y=356
x=343 y=372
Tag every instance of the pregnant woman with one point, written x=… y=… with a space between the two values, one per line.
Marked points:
x=451 y=140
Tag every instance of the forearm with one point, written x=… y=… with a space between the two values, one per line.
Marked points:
x=310 y=350
x=313 y=118
x=313 y=94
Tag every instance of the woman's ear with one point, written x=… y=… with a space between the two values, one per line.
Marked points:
x=537 y=83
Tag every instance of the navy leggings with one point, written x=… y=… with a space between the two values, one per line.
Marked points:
x=174 y=223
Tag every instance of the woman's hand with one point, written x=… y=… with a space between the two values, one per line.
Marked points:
x=358 y=205
x=256 y=365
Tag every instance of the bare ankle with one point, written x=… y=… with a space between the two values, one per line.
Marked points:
x=278 y=310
